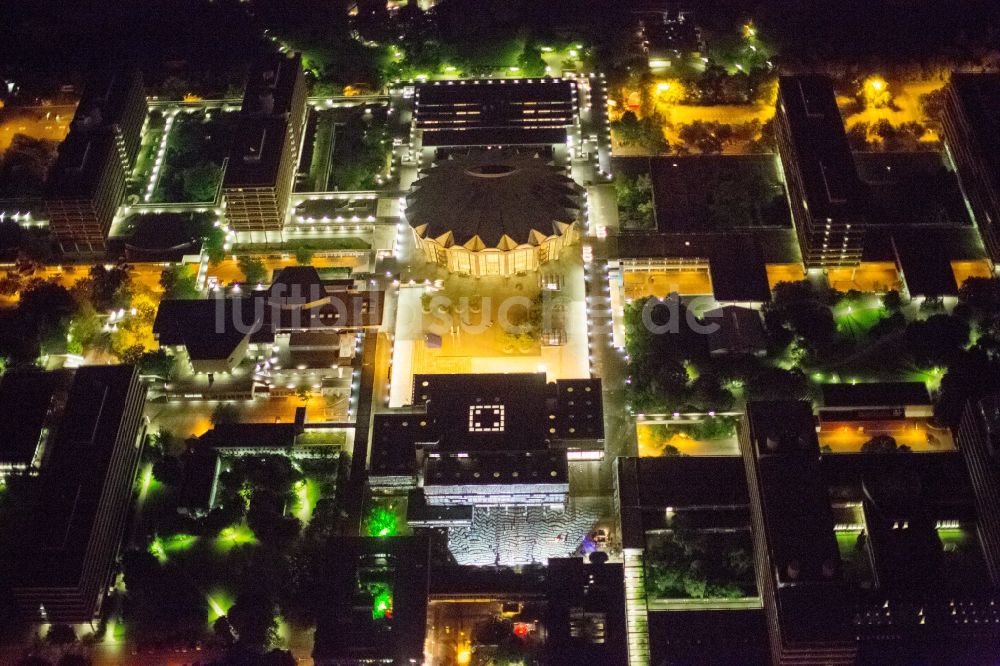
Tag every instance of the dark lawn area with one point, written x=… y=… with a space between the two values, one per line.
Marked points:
x=912 y=188
x=712 y=193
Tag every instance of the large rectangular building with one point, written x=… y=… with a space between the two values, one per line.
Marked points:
x=797 y=558
x=260 y=171
x=375 y=593
x=493 y=112
x=487 y=440
x=115 y=99
x=979 y=441
x=972 y=134
x=87 y=182
x=70 y=521
x=870 y=555
x=827 y=197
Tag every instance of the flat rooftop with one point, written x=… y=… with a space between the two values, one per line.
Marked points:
x=271 y=84
x=912 y=189
x=212 y=328
x=394 y=437
x=823 y=155
x=256 y=151
x=80 y=165
x=979 y=98
x=57 y=527
x=25 y=400
x=876 y=394
x=496 y=468
x=495 y=111
x=579 y=410
x=736 y=261
x=926 y=269
x=278 y=436
x=350 y=628
x=716 y=192
x=683 y=481
x=262 y=129
x=708 y=637
x=105 y=98
x=793 y=494
x=485 y=412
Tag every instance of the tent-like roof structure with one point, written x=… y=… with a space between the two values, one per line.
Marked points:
x=492 y=199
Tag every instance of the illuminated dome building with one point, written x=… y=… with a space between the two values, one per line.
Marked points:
x=493 y=212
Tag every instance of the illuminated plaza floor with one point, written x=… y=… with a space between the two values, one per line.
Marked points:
x=525 y=535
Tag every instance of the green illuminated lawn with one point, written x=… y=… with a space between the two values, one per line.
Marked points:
x=307 y=493
x=147 y=482
x=381 y=601
x=857 y=317
x=162 y=547
x=382 y=522
x=235 y=535
x=219 y=603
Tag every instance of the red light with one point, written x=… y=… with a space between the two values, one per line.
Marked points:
x=521 y=629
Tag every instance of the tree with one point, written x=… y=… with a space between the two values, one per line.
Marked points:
x=802 y=309
x=684 y=563
x=932 y=105
x=892 y=301
x=714 y=427
x=161 y=442
x=225 y=413
x=60 y=635
x=635 y=201
x=85 y=330
x=71 y=659
x=707 y=137
x=41 y=321
x=156 y=364
x=530 y=61
x=162 y=603
x=179 y=282
x=651 y=137
x=201 y=182
x=266 y=519
x=24 y=166
x=971 y=375
x=252 y=268
x=982 y=294
x=253 y=619
x=304 y=255
x=167 y=470
x=880 y=444
x=10 y=284
x=131 y=355
x=732 y=204
x=107 y=289
x=627 y=129
x=772 y=383
x=936 y=340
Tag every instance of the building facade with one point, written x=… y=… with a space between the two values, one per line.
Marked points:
x=87 y=182
x=62 y=566
x=260 y=171
x=824 y=190
x=972 y=134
